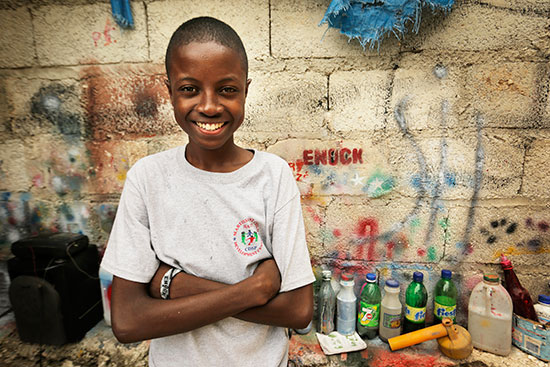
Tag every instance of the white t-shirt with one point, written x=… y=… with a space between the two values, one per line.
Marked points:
x=215 y=226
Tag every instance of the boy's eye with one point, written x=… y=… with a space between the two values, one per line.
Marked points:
x=228 y=90
x=188 y=89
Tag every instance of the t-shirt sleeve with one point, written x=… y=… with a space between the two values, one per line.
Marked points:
x=129 y=253
x=289 y=240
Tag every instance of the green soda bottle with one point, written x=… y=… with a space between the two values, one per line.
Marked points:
x=369 y=308
x=416 y=299
x=444 y=298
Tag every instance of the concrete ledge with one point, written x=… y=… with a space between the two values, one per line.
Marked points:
x=100 y=349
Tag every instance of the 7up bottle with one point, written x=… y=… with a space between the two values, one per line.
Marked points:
x=369 y=308
x=445 y=298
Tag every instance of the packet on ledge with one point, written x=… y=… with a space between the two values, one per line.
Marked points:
x=336 y=343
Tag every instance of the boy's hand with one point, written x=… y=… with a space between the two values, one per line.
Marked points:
x=268 y=279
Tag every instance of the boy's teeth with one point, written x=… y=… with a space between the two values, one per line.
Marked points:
x=210 y=127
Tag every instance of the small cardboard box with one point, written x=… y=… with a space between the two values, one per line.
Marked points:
x=531 y=337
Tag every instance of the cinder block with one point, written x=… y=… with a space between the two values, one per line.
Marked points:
x=88 y=34
x=520 y=5
x=250 y=19
x=110 y=161
x=429 y=96
x=296 y=33
x=436 y=168
x=357 y=100
x=536 y=180
x=378 y=230
x=286 y=103
x=485 y=232
x=62 y=173
x=481 y=28
x=504 y=93
x=16 y=40
x=12 y=162
x=330 y=168
x=502 y=165
x=127 y=102
x=43 y=106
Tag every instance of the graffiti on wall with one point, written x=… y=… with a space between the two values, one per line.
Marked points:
x=104 y=38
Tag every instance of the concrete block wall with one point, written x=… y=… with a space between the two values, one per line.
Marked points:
x=431 y=153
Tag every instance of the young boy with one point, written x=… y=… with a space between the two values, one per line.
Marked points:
x=228 y=217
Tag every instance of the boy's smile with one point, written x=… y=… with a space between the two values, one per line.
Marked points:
x=208 y=87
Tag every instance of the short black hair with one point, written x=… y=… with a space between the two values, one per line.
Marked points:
x=202 y=30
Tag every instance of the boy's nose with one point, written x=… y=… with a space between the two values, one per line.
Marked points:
x=209 y=104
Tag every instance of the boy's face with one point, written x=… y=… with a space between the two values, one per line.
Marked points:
x=208 y=89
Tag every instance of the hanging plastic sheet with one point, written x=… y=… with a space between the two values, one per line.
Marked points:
x=369 y=21
x=122 y=13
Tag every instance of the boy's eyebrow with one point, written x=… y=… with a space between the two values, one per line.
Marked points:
x=224 y=80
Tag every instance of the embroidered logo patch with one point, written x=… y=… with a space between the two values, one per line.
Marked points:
x=246 y=237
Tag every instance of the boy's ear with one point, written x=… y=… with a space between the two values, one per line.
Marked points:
x=167 y=83
x=246 y=89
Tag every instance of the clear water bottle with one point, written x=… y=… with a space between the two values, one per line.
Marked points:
x=326 y=304
x=346 y=305
x=369 y=308
x=106 y=281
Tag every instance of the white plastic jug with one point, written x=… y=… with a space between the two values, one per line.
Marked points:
x=490 y=311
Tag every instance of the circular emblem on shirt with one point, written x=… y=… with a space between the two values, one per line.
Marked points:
x=246 y=237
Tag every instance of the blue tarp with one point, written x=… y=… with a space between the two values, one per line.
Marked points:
x=122 y=13
x=369 y=21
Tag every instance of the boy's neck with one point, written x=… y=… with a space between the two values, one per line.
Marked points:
x=225 y=159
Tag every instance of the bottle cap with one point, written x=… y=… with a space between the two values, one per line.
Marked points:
x=504 y=261
x=491 y=277
x=543 y=298
x=326 y=274
x=371 y=277
x=418 y=277
x=446 y=274
x=392 y=283
x=346 y=277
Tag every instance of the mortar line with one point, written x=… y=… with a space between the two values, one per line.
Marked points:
x=538 y=12
x=328 y=92
x=269 y=12
x=523 y=169
x=35 y=50
x=147 y=31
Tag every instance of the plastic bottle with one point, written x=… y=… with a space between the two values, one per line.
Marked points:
x=105 y=282
x=326 y=304
x=445 y=297
x=416 y=299
x=390 y=311
x=543 y=308
x=523 y=304
x=369 y=308
x=346 y=305
x=305 y=330
x=490 y=316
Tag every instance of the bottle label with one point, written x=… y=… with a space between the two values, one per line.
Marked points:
x=391 y=321
x=415 y=314
x=369 y=314
x=441 y=311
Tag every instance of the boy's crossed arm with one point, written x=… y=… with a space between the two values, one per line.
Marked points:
x=137 y=316
x=293 y=309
